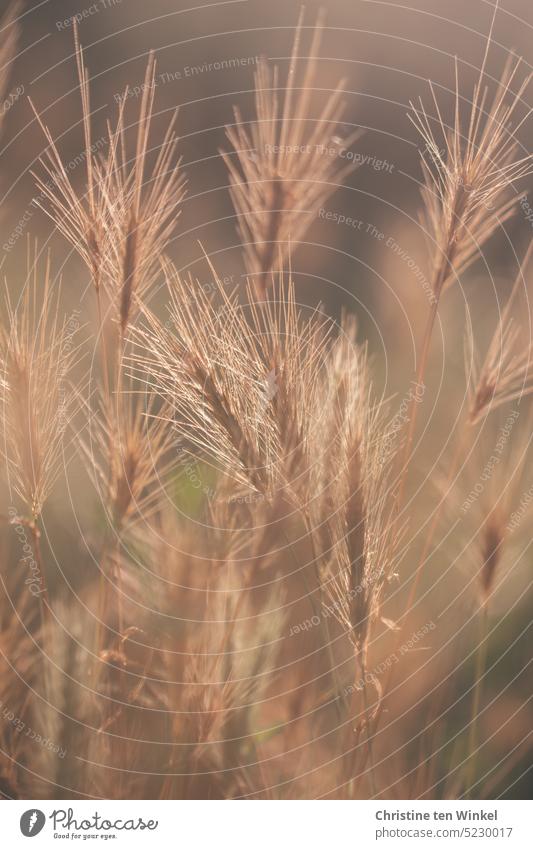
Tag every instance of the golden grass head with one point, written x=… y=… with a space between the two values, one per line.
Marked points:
x=281 y=169
x=128 y=449
x=505 y=373
x=470 y=169
x=38 y=352
x=123 y=222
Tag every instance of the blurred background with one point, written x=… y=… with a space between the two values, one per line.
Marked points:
x=385 y=51
x=375 y=266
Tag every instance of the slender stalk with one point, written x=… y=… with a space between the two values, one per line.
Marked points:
x=413 y=405
x=481 y=662
x=102 y=606
x=44 y=609
x=318 y=611
x=119 y=588
x=109 y=561
x=333 y=668
x=370 y=747
x=107 y=394
x=406 y=458
x=103 y=345
x=422 y=561
x=434 y=523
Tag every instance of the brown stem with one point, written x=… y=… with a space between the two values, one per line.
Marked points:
x=324 y=620
x=44 y=609
x=109 y=562
x=425 y=551
x=118 y=581
x=439 y=280
x=317 y=611
x=434 y=523
x=369 y=743
x=413 y=403
x=31 y=525
x=103 y=346
x=481 y=660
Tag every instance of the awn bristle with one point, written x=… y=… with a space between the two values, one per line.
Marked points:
x=128 y=450
x=363 y=537
x=243 y=383
x=504 y=375
x=37 y=400
x=281 y=169
x=123 y=222
x=193 y=686
x=470 y=169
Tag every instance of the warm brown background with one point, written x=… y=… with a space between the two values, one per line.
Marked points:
x=386 y=51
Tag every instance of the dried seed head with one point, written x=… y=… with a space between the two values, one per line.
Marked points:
x=38 y=403
x=482 y=498
x=212 y=364
x=505 y=374
x=277 y=191
x=469 y=170
x=354 y=500
x=482 y=398
x=129 y=455
x=123 y=222
x=493 y=536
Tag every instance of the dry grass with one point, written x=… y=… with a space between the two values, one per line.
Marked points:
x=198 y=683
x=280 y=169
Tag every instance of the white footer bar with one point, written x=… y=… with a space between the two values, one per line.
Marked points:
x=267 y=825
